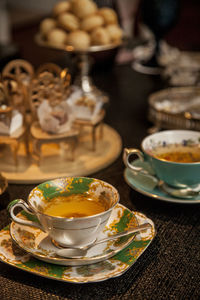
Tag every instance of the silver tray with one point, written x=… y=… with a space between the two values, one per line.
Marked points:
x=175 y=108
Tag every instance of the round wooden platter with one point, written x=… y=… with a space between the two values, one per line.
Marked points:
x=56 y=160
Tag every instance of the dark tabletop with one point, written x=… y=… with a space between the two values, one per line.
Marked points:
x=170 y=267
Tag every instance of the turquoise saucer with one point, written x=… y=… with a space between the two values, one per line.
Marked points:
x=146 y=186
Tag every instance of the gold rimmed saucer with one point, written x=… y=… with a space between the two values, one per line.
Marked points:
x=39 y=244
x=112 y=267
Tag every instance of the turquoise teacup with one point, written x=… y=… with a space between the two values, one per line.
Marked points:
x=160 y=148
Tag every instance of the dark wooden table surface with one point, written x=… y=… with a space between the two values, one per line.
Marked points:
x=169 y=268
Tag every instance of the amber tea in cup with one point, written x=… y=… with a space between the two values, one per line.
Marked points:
x=178 y=153
x=75 y=206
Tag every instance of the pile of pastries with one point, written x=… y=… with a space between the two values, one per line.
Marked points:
x=80 y=24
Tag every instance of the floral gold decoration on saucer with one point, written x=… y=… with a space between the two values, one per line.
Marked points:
x=99 y=271
x=37 y=243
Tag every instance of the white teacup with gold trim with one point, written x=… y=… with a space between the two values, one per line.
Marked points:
x=71 y=210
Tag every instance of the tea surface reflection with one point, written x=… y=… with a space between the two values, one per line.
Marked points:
x=75 y=206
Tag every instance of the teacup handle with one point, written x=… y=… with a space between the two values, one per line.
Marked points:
x=21 y=203
x=126 y=156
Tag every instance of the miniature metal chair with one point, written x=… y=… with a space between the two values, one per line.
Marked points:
x=24 y=72
x=13 y=94
x=47 y=86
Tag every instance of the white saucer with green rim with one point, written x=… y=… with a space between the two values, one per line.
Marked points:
x=38 y=243
x=112 y=267
x=146 y=186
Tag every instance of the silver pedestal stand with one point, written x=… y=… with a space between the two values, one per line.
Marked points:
x=83 y=79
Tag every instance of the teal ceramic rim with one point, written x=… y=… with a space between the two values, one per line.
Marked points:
x=166 y=161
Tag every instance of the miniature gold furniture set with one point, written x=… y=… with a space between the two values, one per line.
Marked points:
x=24 y=89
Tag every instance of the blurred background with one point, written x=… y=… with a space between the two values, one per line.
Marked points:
x=19 y=21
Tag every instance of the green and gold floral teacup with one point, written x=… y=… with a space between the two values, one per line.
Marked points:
x=71 y=210
x=173 y=155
